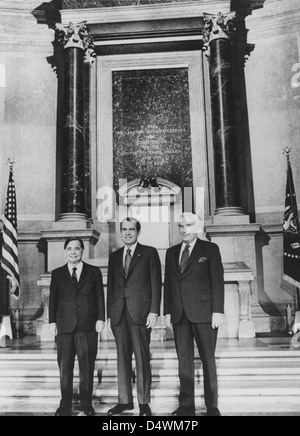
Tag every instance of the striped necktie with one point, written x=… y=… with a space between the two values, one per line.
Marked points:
x=128 y=259
x=74 y=276
x=185 y=258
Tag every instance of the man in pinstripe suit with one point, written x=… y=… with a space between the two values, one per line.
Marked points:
x=194 y=304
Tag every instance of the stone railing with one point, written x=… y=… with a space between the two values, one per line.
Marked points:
x=238 y=320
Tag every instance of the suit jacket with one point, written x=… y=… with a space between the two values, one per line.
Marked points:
x=199 y=291
x=141 y=289
x=80 y=305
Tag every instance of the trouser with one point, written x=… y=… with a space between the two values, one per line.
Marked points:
x=85 y=346
x=132 y=338
x=206 y=339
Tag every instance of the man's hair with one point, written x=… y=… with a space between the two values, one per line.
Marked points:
x=74 y=239
x=193 y=218
x=138 y=225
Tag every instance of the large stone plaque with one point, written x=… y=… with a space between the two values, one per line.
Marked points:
x=151 y=126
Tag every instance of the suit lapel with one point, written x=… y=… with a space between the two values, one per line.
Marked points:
x=83 y=273
x=66 y=273
x=177 y=256
x=120 y=264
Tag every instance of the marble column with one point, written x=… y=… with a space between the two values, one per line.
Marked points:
x=217 y=33
x=78 y=48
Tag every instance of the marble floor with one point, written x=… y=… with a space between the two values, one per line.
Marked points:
x=257 y=377
x=262 y=343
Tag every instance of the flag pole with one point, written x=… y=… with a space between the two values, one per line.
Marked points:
x=6 y=328
x=287 y=151
x=12 y=163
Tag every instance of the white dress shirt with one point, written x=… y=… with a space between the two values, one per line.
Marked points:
x=192 y=246
x=132 y=249
x=78 y=271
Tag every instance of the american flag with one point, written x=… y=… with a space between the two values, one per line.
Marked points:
x=10 y=253
x=291 y=231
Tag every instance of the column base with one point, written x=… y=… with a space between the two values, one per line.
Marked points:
x=231 y=220
x=73 y=217
x=230 y=211
x=246 y=330
x=261 y=319
x=44 y=332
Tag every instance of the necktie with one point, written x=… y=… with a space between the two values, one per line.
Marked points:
x=74 y=276
x=184 y=258
x=128 y=259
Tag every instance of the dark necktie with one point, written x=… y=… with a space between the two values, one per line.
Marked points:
x=185 y=258
x=74 y=276
x=128 y=259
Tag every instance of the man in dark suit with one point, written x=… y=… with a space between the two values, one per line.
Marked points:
x=76 y=316
x=194 y=297
x=134 y=297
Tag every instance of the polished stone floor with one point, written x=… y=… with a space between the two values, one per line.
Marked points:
x=263 y=343
x=256 y=377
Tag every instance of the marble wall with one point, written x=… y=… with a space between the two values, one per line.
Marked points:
x=273 y=104
x=274 y=113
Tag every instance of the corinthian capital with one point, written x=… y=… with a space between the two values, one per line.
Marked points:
x=218 y=26
x=77 y=35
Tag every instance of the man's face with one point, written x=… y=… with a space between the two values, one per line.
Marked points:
x=129 y=233
x=187 y=231
x=74 y=252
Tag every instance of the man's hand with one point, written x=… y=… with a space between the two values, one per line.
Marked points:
x=168 y=321
x=99 y=326
x=53 y=329
x=151 y=320
x=217 y=320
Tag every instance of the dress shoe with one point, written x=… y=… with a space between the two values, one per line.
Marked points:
x=145 y=410
x=213 y=412
x=184 y=411
x=87 y=412
x=62 y=412
x=120 y=408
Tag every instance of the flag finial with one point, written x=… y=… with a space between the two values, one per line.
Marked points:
x=288 y=151
x=11 y=163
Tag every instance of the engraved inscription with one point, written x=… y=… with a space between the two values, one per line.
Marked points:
x=151 y=133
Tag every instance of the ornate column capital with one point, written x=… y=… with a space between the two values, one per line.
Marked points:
x=218 y=26
x=77 y=36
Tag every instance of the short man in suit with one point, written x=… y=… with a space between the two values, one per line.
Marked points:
x=134 y=297
x=194 y=297
x=76 y=316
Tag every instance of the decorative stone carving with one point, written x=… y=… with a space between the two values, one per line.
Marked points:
x=77 y=36
x=218 y=26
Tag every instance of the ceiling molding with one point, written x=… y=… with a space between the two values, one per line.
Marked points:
x=144 y=13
